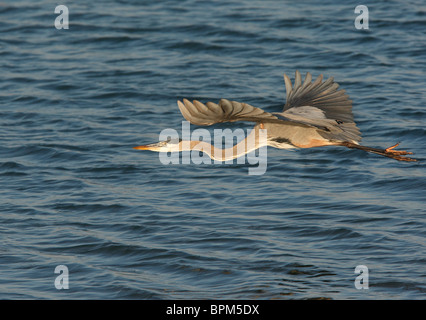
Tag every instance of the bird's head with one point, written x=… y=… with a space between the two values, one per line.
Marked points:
x=169 y=145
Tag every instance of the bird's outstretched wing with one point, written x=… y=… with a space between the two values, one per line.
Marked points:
x=311 y=104
x=334 y=103
x=226 y=111
x=322 y=105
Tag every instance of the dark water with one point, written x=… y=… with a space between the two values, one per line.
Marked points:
x=73 y=192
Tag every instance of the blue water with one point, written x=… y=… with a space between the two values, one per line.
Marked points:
x=73 y=192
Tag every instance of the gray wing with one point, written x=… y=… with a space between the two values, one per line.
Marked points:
x=322 y=95
x=226 y=111
x=322 y=105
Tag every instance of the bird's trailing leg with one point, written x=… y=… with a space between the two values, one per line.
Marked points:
x=388 y=152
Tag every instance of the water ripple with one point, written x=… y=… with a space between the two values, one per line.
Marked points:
x=74 y=102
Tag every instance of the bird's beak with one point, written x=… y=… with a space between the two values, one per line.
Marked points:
x=141 y=148
x=151 y=146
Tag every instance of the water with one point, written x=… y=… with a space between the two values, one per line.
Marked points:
x=73 y=191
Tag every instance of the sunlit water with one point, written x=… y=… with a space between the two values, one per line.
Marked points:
x=73 y=192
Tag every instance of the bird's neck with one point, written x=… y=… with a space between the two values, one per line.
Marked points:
x=252 y=142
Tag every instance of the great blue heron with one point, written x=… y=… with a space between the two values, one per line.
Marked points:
x=316 y=114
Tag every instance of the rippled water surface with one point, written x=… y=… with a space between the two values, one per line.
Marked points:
x=73 y=192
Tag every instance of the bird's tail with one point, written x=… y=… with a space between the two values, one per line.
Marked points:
x=388 y=152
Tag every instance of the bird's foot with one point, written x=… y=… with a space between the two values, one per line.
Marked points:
x=397 y=154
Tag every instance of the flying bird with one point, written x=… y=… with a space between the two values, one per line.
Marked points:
x=315 y=114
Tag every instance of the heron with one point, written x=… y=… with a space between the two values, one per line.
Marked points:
x=316 y=114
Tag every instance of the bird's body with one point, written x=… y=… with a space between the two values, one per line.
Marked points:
x=316 y=114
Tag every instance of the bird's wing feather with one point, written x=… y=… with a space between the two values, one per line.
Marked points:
x=322 y=105
x=322 y=95
x=226 y=111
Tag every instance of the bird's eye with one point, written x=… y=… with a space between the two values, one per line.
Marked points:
x=172 y=141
